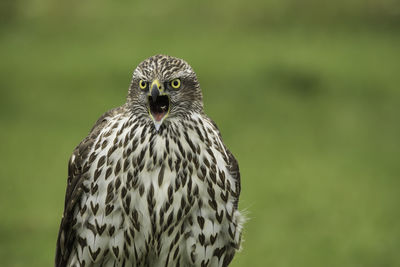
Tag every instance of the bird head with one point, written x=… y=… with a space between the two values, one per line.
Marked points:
x=163 y=88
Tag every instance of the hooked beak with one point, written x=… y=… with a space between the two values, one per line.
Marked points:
x=158 y=103
x=155 y=90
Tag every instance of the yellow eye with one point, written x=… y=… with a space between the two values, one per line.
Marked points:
x=142 y=84
x=176 y=83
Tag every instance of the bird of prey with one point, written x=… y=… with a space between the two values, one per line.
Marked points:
x=152 y=184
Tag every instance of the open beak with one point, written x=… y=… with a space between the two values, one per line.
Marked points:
x=158 y=103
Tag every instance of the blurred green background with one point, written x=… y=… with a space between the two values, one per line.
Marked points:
x=306 y=95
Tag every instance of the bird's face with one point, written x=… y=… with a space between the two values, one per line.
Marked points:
x=164 y=87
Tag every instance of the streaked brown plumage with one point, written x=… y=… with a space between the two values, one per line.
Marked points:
x=152 y=184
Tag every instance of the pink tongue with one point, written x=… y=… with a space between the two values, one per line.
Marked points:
x=158 y=116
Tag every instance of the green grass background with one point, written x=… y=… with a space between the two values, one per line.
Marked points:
x=306 y=95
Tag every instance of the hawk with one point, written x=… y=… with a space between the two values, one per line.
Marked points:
x=153 y=183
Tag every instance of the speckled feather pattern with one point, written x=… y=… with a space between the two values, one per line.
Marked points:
x=141 y=197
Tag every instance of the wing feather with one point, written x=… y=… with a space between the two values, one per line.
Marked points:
x=233 y=166
x=77 y=168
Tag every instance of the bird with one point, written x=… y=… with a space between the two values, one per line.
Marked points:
x=152 y=184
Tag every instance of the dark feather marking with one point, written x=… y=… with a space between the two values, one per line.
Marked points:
x=141 y=189
x=109 y=209
x=108 y=173
x=202 y=239
x=92 y=157
x=117 y=168
x=111 y=150
x=213 y=238
x=219 y=252
x=213 y=204
x=126 y=164
x=100 y=229
x=83 y=209
x=115 y=251
x=117 y=183
x=94 y=188
x=94 y=208
x=192 y=147
x=219 y=216
x=101 y=161
x=213 y=176
x=94 y=254
x=92 y=228
x=161 y=175
x=104 y=144
x=181 y=150
x=200 y=220
x=82 y=242
x=111 y=230
x=97 y=174
x=205 y=263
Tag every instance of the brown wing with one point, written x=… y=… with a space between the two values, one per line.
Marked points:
x=233 y=167
x=234 y=170
x=76 y=176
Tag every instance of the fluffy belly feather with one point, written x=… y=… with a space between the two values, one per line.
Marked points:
x=156 y=201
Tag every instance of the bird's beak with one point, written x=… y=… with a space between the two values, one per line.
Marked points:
x=158 y=103
x=155 y=90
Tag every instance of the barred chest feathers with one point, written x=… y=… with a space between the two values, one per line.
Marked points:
x=162 y=198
